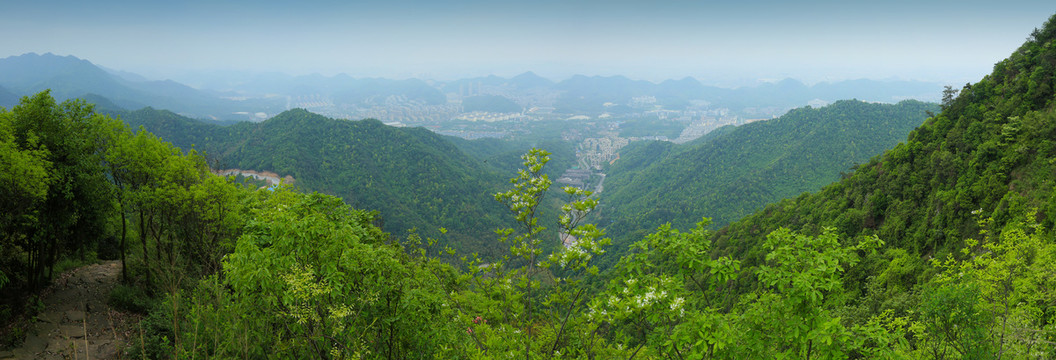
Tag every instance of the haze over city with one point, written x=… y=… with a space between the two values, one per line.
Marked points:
x=718 y=43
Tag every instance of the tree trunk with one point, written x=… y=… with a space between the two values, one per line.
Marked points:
x=124 y=233
x=143 y=241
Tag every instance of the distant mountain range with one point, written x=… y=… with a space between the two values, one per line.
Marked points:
x=238 y=96
x=70 y=77
x=587 y=93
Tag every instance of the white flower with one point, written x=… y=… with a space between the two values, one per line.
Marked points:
x=677 y=303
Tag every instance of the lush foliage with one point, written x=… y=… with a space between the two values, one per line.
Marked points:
x=994 y=302
x=83 y=185
x=504 y=155
x=967 y=286
x=312 y=278
x=739 y=171
x=413 y=177
x=55 y=197
x=990 y=150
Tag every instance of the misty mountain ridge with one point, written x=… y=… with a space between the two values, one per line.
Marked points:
x=70 y=77
x=225 y=95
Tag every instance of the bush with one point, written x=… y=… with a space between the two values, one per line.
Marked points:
x=131 y=298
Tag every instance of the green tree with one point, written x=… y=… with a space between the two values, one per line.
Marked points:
x=994 y=303
x=523 y=200
x=534 y=300
x=801 y=276
x=23 y=187
x=312 y=278
x=61 y=139
x=669 y=298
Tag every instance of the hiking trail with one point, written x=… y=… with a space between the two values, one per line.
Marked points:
x=76 y=317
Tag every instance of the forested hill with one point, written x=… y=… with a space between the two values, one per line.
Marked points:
x=413 y=177
x=740 y=170
x=504 y=155
x=989 y=154
x=184 y=132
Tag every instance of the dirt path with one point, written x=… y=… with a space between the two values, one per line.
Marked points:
x=76 y=317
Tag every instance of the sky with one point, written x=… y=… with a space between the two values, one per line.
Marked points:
x=716 y=42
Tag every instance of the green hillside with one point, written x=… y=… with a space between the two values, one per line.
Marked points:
x=990 y=151
x=965 y=208
x=185 y=132
x=504 y=155
x=411 y=176
x=740 y=170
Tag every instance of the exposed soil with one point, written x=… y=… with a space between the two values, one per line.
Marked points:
x=76 y=318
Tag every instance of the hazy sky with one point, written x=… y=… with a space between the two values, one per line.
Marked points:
x=714 y=41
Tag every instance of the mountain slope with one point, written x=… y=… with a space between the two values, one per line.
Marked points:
x=730 y=175
x=989 y=153
x=413 y=177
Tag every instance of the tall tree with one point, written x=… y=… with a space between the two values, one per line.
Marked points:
x=71 y=213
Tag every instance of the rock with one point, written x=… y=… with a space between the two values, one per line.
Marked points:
x=62 y=346
x=75 y=316
x=50 y=317
x=23 y=353
x=64 y=349
x=34 y=344
x=59 y=331
x=105 y=350
x=73 y=331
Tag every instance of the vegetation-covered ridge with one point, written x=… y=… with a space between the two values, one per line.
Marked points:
x=411 y=176
x=989 y=151
x=741 y=170
x=966 y=208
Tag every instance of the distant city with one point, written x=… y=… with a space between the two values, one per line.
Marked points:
x=598 y=115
